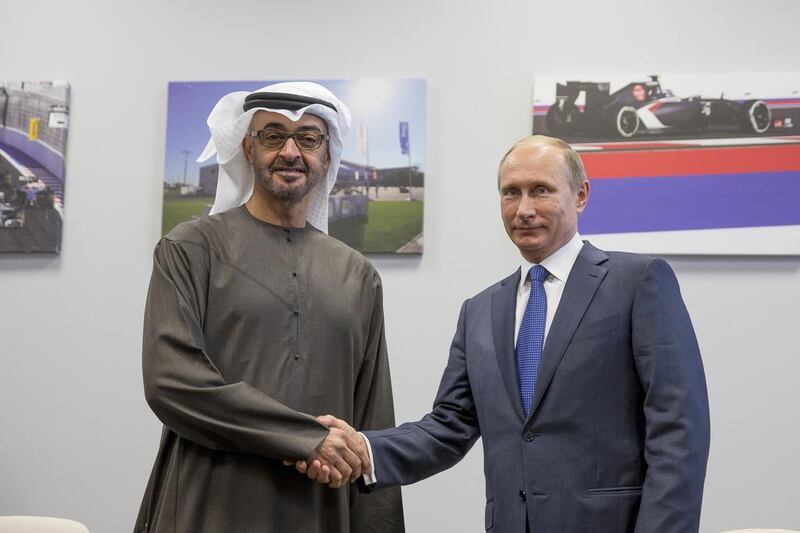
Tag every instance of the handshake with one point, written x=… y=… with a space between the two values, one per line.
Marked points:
x=341 y=458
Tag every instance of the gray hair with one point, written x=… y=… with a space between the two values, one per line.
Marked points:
x=572 y=161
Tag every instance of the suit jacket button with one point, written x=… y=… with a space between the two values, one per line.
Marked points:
x=523 y=495
x=528 y=437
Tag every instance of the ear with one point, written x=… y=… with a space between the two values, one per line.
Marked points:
x=247 y=147
x=583 y=197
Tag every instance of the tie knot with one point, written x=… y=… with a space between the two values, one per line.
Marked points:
x=538 y=273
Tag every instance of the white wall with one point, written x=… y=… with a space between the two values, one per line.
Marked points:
x=76 y=437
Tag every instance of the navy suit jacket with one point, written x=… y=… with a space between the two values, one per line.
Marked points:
x=618 y=434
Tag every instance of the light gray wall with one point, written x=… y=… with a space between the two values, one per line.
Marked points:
x=76 y=438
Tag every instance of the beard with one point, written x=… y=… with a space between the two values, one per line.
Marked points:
x=290 y=193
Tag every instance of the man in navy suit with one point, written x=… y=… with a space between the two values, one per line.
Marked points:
x=584 y=379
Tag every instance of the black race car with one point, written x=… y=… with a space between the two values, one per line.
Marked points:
x=644 y=106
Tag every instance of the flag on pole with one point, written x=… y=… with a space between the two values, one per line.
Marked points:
x=361 y=139
x=405 y=149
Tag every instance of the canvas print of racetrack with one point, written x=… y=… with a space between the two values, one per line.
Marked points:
x=34 y=117
x=377 y=203
x=684 y=164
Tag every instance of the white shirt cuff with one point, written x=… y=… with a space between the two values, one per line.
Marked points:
x=371 y=478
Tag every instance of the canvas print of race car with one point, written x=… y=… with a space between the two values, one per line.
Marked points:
x=673 y=158
x=34 y=118
x=683 y=107
x=645 y=107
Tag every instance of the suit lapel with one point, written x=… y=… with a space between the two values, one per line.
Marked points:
x=503 y=316
x=585 y=277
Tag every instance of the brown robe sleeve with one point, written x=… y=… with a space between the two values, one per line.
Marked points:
x=380 y=511
x=182 y=384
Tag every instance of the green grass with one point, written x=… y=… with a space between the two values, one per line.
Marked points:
x=391 y=225
x=177 y=210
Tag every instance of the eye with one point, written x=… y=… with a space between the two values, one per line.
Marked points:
x=272 y=137
x=541 y=189
x=510 y=193
x=308 y=139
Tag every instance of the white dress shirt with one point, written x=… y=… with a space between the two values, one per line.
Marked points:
x=559 y=265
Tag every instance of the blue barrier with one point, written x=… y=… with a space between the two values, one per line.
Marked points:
x=349 y=206
x=42 y=154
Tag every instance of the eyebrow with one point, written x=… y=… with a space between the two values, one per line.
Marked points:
x=279 y=126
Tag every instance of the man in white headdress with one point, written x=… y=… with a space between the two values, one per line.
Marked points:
x=257 y=320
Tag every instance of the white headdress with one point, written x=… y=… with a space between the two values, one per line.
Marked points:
x=230 y=119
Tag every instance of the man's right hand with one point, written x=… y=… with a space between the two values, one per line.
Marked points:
x=341 y=457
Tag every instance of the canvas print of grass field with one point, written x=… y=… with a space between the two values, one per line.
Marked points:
x=376 y=205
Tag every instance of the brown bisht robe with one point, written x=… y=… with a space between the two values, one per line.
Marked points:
x=250 y=329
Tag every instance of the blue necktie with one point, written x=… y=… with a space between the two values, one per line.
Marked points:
x=531 y=337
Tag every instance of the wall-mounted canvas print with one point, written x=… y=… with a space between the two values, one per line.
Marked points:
x=376 y=205
x=34 y=117
x=683 y=164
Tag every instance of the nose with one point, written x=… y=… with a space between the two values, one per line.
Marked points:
x=289 y=151
x=526 y=209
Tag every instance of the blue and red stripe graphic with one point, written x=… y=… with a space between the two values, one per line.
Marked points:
x=665 y=187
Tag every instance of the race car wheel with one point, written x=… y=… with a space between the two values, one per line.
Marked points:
x=563 y=118
x=755 y=116
x=627 y=121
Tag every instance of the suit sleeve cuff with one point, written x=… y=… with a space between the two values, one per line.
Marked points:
x=371 y=478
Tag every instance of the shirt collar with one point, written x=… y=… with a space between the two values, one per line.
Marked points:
x=559 y=263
